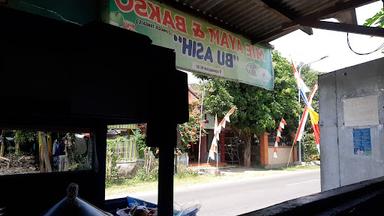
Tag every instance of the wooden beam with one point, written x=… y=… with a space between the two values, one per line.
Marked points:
x=340 y=6
x=307 y=30
x=285 y=13
x=276 y=33
x=279 y=9
x=358 y=29
x=312 y=17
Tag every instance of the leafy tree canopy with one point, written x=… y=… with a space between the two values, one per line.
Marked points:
x=310 y=78
x=376 y=20
x=258 y=110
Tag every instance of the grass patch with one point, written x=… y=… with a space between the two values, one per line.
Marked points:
x=305 y=167
x=130 y=186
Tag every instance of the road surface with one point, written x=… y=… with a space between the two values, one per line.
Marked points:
x=244 y=195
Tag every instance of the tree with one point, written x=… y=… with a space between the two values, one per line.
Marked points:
x=139 y=138
x=258 y=110
x=189 y=131
x=309 y=147
x=376 y=20
x=23 y=137
x=2 y=142
x=111 y=159
x=44 y=140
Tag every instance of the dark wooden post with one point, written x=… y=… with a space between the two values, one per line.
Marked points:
x=164 y=135
x=100 y=159
x=222 y=146
x=203 y=149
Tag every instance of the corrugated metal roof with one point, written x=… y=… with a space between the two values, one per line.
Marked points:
x=262 y=20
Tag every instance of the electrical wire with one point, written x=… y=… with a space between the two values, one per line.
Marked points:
x=367 y=53
x=359 y=53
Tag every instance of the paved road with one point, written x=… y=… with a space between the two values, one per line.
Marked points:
x=245 y=195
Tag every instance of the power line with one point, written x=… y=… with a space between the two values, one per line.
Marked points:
x=360 y=53
x=367 y=53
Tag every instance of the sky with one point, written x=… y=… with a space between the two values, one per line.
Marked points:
x=302 y=48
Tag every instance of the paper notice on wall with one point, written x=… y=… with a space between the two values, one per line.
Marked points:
x=361 y=111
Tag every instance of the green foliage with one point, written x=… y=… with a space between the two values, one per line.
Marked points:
x=258 y=110
x=23 y=139
x=310 y=78
x=185 y=172
x=81 y=163
x=309 y=148
x=139 y=137
x=189 y=131
x=111 y=159
x=376 y=20
x=143 y=176
x=218 y=99
x=24 y=136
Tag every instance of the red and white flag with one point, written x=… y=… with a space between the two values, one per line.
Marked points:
x=278 y=136
x=216 y=136
x=282 y=123
x=300 y=83
x=226 y=117
x=213 y=149
x=304 y=116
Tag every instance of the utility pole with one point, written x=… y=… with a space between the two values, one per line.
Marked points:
x=201 y=119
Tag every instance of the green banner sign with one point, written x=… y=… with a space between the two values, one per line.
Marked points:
x=200 y=47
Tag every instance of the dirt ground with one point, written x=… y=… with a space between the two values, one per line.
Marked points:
x=11 y=164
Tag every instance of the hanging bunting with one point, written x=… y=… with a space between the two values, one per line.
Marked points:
x=278 y=136
x=217 y=129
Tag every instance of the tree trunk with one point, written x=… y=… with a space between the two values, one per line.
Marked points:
x=246 y=136
x=49 y=145
x=41 y=149
x=247 y=151
x=17 y=148
x=47 y=160
x=2 y=141
x=45 y=163
x=2 y=147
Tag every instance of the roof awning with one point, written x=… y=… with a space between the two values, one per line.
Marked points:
x=265 y=20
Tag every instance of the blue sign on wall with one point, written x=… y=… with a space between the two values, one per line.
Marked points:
x=362 y=141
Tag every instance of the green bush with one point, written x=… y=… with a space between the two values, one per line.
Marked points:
x=309 y=148
x=139 y=138
x=111 y=161
x=184 y=171
x=143 y=176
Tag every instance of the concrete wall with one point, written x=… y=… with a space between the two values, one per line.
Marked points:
x=282 y=157
x=351 y=98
